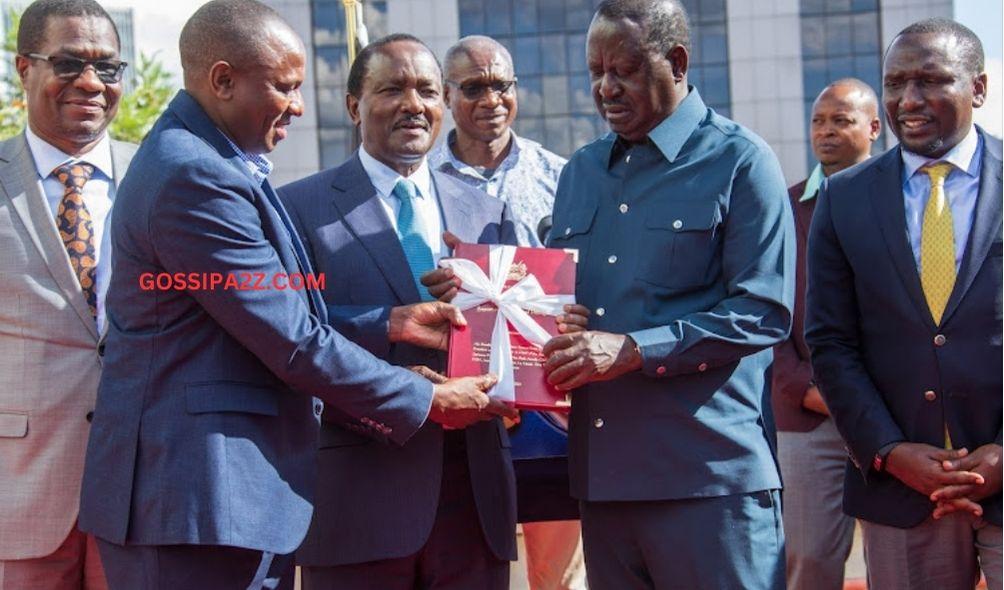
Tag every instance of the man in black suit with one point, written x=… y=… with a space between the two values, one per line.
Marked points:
x=904 y=321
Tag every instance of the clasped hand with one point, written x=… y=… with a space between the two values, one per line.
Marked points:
x=462 y=401
x=954 y=479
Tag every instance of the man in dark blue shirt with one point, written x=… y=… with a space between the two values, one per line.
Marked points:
x=686 y=257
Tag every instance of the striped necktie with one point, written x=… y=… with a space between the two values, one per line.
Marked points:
x=937 y=244
x=410 y=232
x=76 y=228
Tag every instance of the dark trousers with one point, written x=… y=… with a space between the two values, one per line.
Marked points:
x=455 y=557
x=723 y=543
x=155 y=567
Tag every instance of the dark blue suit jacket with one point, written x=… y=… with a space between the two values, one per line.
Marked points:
x=205 y=431
x=376 y=501
x=873 y=337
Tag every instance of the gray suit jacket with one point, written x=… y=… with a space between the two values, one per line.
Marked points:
x=377 y=501
x=48 y=362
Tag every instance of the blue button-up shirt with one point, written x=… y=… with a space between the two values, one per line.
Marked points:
x=526 y=180
x=686 y=243
x=259 y=166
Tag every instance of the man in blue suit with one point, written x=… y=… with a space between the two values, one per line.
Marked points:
x=686 y=259
x=200 y=470
x=904 y=321
x=438 y=512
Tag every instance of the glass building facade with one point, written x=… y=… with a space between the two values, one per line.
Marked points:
x=547 y=39
x=335 y=133
x=840 y=39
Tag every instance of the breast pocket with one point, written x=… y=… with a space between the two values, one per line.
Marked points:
x=572 y=232
x=681 y=238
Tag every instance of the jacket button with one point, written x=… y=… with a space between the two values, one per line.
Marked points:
x=623 y=208
x=677 y=224
x=600 y=311
x=660 y=370
x=930 y=395
x=90 y=416
x=568 y=230
x=940 y=340
x=702 y=367
x=318 y=408
x=598 y=423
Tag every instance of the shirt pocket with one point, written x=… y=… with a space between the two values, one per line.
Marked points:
x=681 y=238
x=573 y=233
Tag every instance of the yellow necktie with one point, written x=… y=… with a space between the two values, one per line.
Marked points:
x=937 y=244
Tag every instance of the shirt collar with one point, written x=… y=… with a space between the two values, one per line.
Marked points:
x=259 y=166
x=462 y=167
x=47 y=156
x=384 y=178
x=812 y=184
x=962 y=156
x=674 y=131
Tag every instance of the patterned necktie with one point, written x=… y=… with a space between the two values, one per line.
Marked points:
x=409 y=231
x=77 y=229
x=937 y=244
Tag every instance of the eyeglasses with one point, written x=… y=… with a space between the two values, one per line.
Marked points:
x=69 y=68
x=475 y=90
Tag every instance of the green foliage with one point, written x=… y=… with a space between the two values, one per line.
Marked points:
x=139 y=109
x=12 y=105
x=150 y=92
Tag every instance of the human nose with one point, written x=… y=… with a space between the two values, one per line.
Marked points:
x=912 y=97
x=88 y=80
x=296 y=104
x=610 y=86
x=411 y=101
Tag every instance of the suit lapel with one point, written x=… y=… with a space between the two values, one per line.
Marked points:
x=359 y=206
x=887 y=200
x=986 y=225
x=20 y=181
x=456 y=212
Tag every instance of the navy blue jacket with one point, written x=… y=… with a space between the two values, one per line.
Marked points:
x=876 y=350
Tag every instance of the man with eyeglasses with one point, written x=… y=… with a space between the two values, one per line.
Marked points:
x=58 y=180
x=484 y=152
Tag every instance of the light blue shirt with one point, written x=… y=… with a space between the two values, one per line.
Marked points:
x=385 y=178
x=98 y=195
x=961 y=188
x=526 y=181
x=259 y=166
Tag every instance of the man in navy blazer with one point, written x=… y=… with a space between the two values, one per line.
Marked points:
x=200 y=468
x=440 y=510
x=904 y=321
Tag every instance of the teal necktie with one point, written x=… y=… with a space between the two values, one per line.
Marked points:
x=409 y=231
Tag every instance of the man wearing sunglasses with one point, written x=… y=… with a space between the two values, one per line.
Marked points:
x=484 y=152
x=58 y=180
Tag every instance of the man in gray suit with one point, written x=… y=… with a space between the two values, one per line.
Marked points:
x=57 y=182
x=438 y=511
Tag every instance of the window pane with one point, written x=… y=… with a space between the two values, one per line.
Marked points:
x=530 y=98
x=712 y=10
x=813 y=37
x=716 y=85
x=471 y=17
x=332 y=65
x=552 y=15
x=866 y=33
x=555 y=95
x=580 y=94
x=576 y=45
x=713 y=44
x=498 y=17
x=552 y=53
x=578 y=15
x=527 y=55
x=583 y=131
x=329 y=23
x=838 y=35
x=531 y=128
x=331 y=107
x=525 y=16
x=558 y=131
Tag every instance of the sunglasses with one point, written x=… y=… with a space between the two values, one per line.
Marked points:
x=68 y=68
x=475 y=90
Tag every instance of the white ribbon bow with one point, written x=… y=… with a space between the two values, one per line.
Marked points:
x=526 y=295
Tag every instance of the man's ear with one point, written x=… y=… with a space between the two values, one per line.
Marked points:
x=352 y=106
x=979 y=90
x=221 y=80
x=21 y=64
x=875 y=128
x=679 y=60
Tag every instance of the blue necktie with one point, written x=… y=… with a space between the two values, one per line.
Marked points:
x=409 y=231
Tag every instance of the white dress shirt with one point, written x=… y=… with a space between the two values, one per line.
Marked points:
x=98 y=193
x=961 y=189
x=384 y=179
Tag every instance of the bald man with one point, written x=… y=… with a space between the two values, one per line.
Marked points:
x=843 y=127
x=484 y=152
x=200 y=471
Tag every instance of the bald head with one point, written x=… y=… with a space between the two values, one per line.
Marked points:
x=854 y=92
x=477 y=48
x=844 y=124
x=243 y=33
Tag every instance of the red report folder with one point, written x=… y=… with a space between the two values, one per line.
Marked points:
x=470 y=347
